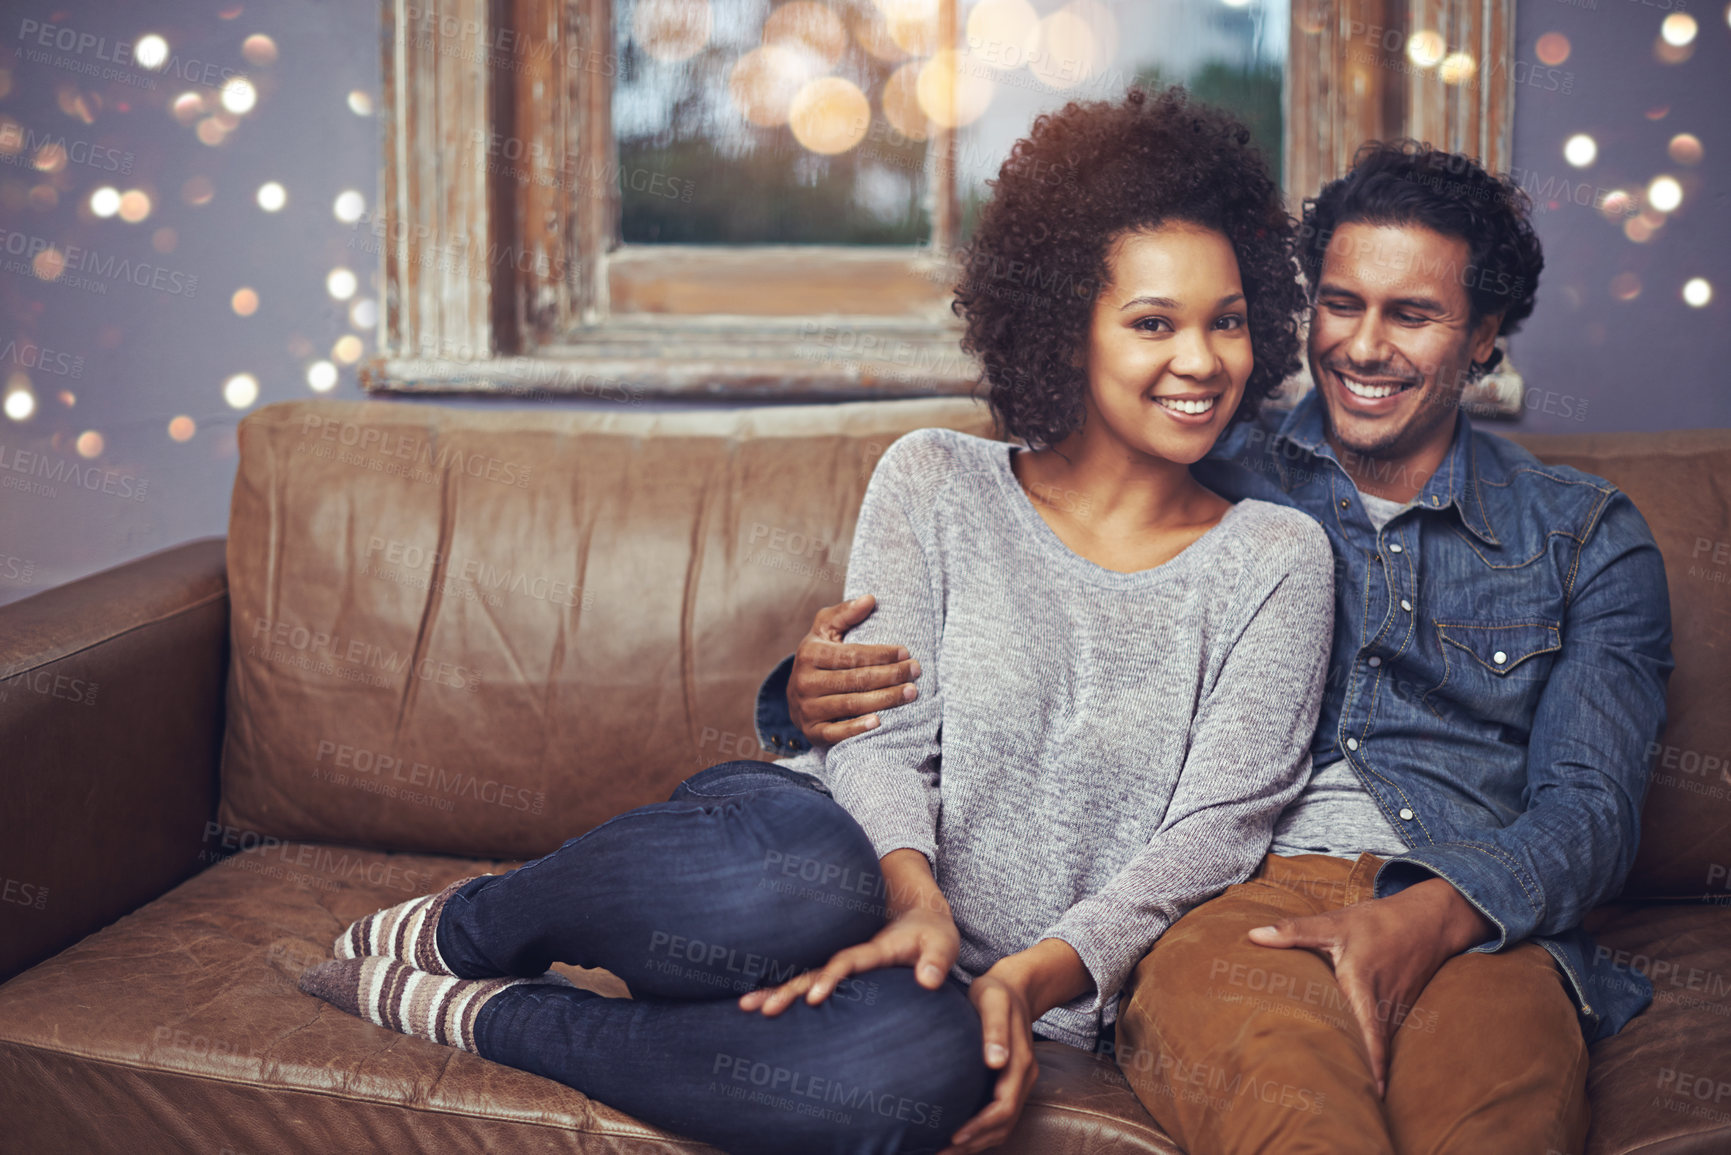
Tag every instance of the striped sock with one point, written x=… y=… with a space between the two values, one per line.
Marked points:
x=390 y=994
x=406 y=932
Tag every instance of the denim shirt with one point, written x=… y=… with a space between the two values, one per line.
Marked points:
x=1501 y=649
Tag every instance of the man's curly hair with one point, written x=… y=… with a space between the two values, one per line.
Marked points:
x=1404 y=182
x=1084 y=177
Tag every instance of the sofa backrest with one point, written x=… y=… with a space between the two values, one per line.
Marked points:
x=1681 y=483
x=484 y=632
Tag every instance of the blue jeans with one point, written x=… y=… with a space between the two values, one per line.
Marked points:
x=749 y=874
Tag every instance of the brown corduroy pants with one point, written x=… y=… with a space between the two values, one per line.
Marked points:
x=1235 y=1047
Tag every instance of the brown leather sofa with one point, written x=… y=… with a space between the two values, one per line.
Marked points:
x=440 y=641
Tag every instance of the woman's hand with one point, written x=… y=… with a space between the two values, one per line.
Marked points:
x=1007 y=1028
x=923 y=937
x=1017 y=990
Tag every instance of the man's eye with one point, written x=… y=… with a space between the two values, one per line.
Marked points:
x=1341 y=307
x=1410 y=318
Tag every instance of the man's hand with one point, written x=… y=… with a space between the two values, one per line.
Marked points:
x=1385 y=952
x=835 y=688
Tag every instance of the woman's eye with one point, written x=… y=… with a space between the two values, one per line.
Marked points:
x=1154 y=325
x=1230 y=322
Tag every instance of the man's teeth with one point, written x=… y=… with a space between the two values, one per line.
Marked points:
x=1369 y=392
x=1191 y=407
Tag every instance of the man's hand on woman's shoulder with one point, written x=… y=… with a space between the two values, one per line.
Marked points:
x=836 y=688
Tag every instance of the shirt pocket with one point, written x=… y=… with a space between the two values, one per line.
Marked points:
x=1494 y=673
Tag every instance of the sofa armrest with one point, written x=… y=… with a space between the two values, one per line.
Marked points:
x=111 y=723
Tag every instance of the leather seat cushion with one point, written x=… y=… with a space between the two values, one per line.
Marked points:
x=1663 y=1083
x=180 y=1028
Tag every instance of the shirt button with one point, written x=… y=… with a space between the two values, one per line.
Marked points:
x=1405 y=814
x=1499 y=657
x=1352 y=743
x=1394 y=547
x=1434 y=499
x=1406 y=605
x=775 y=739
x=1343 y=503
x=1375 y=662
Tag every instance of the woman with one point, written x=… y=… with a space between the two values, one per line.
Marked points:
x=1120 y=673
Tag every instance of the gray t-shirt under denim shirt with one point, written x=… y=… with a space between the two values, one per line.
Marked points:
x=1336 y=815
x=1092 y=753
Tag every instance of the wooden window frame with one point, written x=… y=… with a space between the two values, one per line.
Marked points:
x=497 y=226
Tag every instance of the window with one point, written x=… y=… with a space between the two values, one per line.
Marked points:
x=756 y=198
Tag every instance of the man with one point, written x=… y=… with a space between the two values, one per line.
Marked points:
x=1406 y=971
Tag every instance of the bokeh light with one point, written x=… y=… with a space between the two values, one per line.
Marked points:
x=321 y=376
x=240 y=391
x=1580 y=150
x=808 y=24
x=360 y=102
x=239 y=96
x=1458 y=68
x=341 y=284
x=164 y=240
x=272 y=196
x=134 y=205
x=829 y=115
x=1685 y=148
x=244 y=302
x=349 y=206
x=49 y=264
x=188 y=107
x=1697 y=292
x=20 y=404
x=51 y=157
x=89 y=444
x=197 y=191
x=1678 y=29
x=1552 y=49
x=911 y=24
x=1068 y=54
x=1639 y=229
x=258 y=49
x=1426 y=48
x=1005 y=33
x=182 y=428
x=764 y=81
x=901 y=102
x=364 y=313
x=150 y=51
x=1625 y=286
x=105 y=201
x=948 y=96
x=671 y=30
x=1665 y=194
x=348 y=349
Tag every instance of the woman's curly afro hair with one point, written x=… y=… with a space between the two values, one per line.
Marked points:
x=1085 y=176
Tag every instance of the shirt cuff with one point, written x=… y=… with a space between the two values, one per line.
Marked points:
x=1107 y=952
x=1487 y=876
x=776 y=733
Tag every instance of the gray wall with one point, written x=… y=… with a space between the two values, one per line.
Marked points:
x=133 y=356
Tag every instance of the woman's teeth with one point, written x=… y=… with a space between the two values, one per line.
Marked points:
x=1369 y=392
x=1192 y=407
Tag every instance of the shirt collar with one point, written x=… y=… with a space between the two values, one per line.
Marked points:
x=1455 y=484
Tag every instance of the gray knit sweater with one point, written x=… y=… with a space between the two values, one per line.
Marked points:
x=1091 y=753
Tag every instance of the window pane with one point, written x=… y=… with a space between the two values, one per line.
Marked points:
x=807 y=121
x=747 y=122
x=1019 y=59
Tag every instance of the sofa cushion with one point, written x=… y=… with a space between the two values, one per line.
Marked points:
x=484 y=632
x=1677 y=482
x=180 y=1028
x=1663 y=1083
